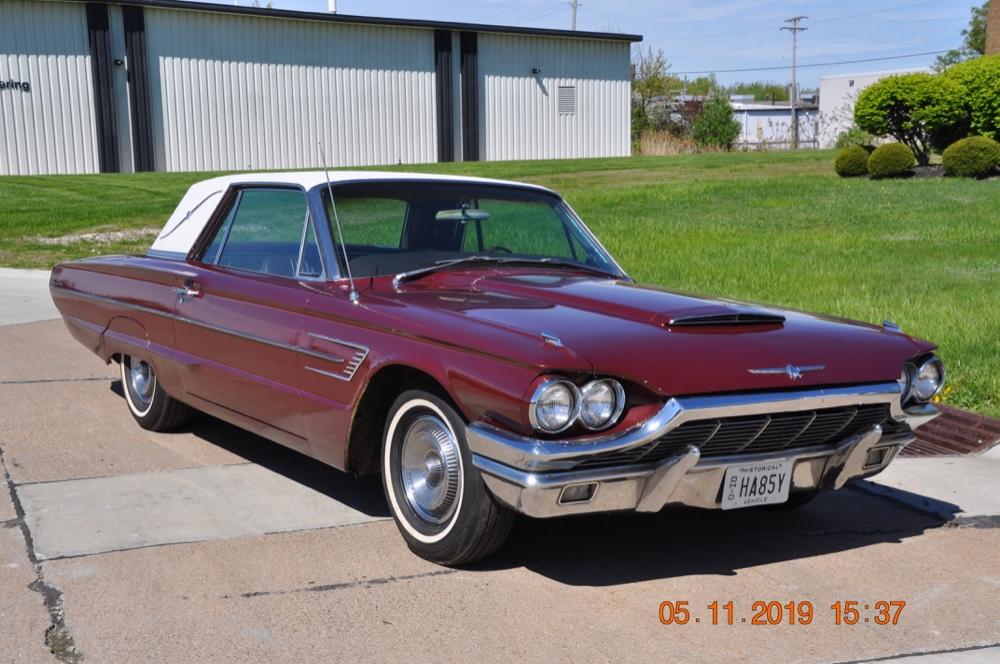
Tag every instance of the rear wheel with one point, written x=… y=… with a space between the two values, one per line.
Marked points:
x=149 y=404
x=438 y=500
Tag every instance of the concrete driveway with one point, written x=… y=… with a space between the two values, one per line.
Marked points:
x=211 y=544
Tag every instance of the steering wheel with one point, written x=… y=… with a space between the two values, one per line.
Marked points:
x=498 y=247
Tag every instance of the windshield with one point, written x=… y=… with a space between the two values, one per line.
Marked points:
x=396 y=227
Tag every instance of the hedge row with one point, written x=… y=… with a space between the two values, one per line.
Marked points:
x=973 y=157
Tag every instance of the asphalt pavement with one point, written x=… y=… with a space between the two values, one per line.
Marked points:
x=211 y=544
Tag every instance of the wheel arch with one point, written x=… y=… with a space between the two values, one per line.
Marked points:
x=364 y=440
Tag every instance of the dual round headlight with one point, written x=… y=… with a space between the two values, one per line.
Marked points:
x=557 y=404
x=922 y=382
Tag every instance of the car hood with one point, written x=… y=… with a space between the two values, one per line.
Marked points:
x=670 y=343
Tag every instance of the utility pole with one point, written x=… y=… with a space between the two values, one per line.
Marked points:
x=795 y=29
x=575 y=4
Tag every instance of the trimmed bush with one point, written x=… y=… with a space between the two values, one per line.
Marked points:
x=851 y=161
x=890 y=161
x=915 y=109
x=973 y=157
x=981 y=79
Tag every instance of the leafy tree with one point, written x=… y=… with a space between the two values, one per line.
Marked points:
x=650 y=81
x=973 y=39
x=701 y=86
x=761 y=90
x=915 y=109
x=981 y=79
x=715 y=125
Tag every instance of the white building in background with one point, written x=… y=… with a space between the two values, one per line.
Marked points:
x=139 y=85
x=768 y=126
x=837 y=94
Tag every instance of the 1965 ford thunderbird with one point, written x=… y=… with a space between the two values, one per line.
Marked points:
x=474 y=343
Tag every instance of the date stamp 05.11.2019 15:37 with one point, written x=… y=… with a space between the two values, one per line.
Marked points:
x=762 y=612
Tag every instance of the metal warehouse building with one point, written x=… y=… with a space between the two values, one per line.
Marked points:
x=173 y=86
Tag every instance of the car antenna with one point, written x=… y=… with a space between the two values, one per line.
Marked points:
x=354 y=296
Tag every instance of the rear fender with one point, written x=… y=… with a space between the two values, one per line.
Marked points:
x=125 y=336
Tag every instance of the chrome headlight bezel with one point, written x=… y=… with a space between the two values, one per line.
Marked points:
x=538 y=396
x=932 y=363
x=578 y=394
x=618 y=393
x=905 y=381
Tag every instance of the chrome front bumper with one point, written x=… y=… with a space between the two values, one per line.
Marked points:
x=531 y=475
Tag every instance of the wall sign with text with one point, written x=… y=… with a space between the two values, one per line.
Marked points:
x=23 y=86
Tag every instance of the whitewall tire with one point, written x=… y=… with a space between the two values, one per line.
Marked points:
x=149 y=404
x=437 y=498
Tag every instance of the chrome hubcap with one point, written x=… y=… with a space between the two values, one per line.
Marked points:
x=141 y=382
x=429 y=469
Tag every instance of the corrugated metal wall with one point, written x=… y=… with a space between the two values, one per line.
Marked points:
x=242 y=92
x=50 y=128
x=519 y=116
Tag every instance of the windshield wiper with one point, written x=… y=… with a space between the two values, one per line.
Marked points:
x=496 y=260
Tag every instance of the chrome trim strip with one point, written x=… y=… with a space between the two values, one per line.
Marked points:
x=338 y=341
x=329 y=374
x=353 y=366
x=540 y=454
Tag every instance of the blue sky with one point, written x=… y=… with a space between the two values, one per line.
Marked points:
x=699 y=35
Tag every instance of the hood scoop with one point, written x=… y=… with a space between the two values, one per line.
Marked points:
x=726 y=318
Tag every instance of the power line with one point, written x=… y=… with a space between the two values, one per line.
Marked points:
x=771 y=29
x=814 y=64
x=794 y=28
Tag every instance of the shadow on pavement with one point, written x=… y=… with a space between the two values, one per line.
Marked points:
x=628 y=547
x=361 y=493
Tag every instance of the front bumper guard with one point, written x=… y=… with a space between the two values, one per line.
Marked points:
x=531 y=475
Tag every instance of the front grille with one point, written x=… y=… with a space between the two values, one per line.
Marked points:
x=753 y=434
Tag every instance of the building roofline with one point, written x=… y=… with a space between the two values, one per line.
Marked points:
x=882 y=72
x=373 y=20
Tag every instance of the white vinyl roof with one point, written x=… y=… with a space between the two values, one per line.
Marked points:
x=193 y=212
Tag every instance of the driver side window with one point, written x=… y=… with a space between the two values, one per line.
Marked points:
x=268 y=230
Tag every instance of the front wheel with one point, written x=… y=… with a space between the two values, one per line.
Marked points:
x=438 y=500
x=149 y=404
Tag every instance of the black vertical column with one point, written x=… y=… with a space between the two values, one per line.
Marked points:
x=102 y=73
x=443 y=97
x=138 y=87
x=470 y=96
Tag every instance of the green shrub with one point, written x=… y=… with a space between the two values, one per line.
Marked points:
x=914 y=109
x=890 y=161
x=973 y=157
x=715 y=125
x=851 y=161
x=852 y=136
x=981 y=79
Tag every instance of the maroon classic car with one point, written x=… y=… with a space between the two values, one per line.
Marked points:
x=472 y=341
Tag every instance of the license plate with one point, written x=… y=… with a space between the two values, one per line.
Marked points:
x=751 y=484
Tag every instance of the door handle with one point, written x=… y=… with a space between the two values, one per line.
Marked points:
x=187 y=291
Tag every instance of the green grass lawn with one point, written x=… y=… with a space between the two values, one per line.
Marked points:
x=775 y=228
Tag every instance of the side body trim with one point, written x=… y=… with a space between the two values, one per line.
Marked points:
x=361 y=352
